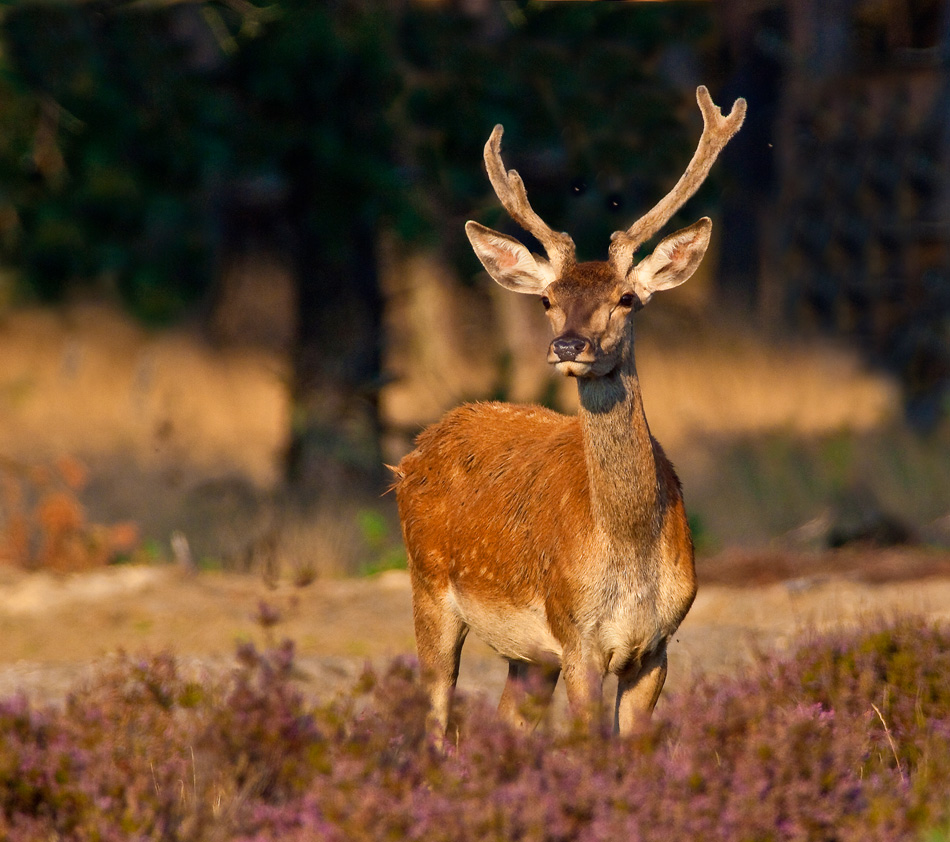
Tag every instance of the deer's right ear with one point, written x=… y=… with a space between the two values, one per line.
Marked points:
x=508 y=261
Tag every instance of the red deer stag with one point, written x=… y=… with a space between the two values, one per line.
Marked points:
x=562 y=541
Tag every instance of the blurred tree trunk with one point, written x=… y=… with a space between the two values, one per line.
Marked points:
x=254 y=294
x=286 y=283
x=335 y=432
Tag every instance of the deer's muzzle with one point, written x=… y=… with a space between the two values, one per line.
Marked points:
x=571 y=354
x=567 y=348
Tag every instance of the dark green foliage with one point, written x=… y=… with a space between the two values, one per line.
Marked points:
x=152 y=143
x=591 y=121
x=130 y=130
x=123 y=206
x=161 y=116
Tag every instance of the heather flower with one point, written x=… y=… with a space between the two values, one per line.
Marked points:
x=847 y=739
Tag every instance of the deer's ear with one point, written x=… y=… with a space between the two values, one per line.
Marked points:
x=509 y=262
x=673 y=261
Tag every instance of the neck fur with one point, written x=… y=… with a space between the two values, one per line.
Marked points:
x=621 y=464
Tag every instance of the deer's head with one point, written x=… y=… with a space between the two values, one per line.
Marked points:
x=590 y=304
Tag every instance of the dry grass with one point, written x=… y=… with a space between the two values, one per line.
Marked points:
x=721 y=380
x=705 y=375
x=177 y=434
x=182 y=436
x=89 y=381
x=758 y=427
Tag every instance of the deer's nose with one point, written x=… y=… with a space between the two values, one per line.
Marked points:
x=568 y=346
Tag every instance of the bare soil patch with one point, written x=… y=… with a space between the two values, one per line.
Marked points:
x=749 y=568
x=57 y=629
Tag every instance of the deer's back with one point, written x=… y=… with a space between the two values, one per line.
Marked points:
x=492 y=496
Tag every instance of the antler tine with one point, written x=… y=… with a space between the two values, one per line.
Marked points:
x=717 y=132
x=514 y=198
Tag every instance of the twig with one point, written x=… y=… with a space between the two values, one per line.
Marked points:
x=890 y=740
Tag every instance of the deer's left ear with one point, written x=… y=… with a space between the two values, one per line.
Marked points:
x=673 y=261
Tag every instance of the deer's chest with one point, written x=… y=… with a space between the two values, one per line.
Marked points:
x=629 y=625
x=640 y=605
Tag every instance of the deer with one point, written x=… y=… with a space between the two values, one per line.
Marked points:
x=561 y=540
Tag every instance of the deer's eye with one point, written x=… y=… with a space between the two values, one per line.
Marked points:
x=627 y=299
x=545 y=302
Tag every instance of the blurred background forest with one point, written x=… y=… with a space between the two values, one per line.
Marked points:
x=234 y=281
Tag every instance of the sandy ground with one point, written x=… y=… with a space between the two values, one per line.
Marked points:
x=57 y=630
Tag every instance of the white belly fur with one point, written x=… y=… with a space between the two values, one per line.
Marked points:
x=626 y=634
x=519 y=634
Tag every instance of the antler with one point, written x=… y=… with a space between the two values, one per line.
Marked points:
x=717 y=131
x=511 y=193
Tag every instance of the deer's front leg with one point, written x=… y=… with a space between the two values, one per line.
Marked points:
x=584 y=684
x=439 y=638
x=638 y=690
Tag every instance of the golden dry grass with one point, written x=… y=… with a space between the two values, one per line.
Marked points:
x=183 y=436
x=704 y=374
x=722 y=380
x=88 y=381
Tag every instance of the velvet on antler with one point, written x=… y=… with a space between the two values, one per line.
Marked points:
x=511 y=193
x=717 y=131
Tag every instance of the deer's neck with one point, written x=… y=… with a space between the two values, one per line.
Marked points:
x=621 y=463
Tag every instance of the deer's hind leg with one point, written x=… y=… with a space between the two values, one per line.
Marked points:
x=528 y=692
x=440 y=633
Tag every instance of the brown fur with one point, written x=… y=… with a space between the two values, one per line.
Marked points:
x=561 y=541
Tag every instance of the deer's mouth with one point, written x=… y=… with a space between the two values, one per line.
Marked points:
x=573 y=368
